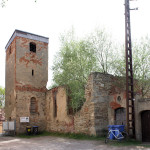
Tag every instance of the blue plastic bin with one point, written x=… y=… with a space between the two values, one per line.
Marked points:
x=111 y=127
x=119 y=128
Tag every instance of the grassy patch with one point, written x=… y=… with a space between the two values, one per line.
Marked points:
x=130 y=142
x=145 y=145
x=66 y=135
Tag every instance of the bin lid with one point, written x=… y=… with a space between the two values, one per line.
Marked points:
x=28 y=126
x=115 y=126
x=35 y=126
x=111 y=126
x=118 y=126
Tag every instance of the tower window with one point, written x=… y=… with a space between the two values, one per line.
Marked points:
x=32 y=72
x=33 y=47
x=33 y=105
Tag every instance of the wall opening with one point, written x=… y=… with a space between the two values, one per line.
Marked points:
x=69 y=108
x=10 y=50
x=55 y=103
x=119 y=98
x=145 y=122
x=32 y=72
x=120 y=116
x=33 y=105
x=33 y=47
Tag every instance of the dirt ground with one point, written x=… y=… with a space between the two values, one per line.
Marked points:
x=57 y=143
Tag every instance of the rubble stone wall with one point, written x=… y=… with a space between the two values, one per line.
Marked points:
x=61 y=121
x=96 y=113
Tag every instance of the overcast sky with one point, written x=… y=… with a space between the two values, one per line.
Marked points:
x=51 y=18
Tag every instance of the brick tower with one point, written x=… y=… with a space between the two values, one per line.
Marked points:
x=26 y=79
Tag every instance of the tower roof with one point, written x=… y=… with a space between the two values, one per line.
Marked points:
x=27 y=35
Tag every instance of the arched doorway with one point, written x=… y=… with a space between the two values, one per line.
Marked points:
x=145 y=122
x=120 y=116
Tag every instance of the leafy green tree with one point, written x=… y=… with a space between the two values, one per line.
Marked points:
x=78 y=58
x=118 y=65
x=141 y=67
x=2 y=97
x=73 y=64
x=141 y=64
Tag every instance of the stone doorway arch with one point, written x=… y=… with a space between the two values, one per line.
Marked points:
x=145 y=124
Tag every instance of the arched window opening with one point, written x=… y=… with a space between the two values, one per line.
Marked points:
x=120 y=116
x=33 y=105
x=33 y=47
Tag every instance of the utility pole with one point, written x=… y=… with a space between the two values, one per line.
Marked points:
x=130 y=117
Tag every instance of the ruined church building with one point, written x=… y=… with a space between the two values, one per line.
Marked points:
x=27 y=96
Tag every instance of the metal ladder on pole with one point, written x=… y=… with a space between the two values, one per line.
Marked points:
x=129 y=74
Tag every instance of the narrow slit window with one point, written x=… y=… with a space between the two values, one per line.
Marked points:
x=10 y=50
x=32 y=72
x=33 y=47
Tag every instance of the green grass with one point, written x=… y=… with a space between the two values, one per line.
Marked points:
x=130 y=142
x=66 y=135
x=145 y=145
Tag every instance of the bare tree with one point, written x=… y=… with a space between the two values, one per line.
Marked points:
x=103 y=48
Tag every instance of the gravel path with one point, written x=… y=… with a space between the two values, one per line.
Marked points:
x=56 y=143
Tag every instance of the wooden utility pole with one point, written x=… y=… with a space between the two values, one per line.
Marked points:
x=129 y=73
